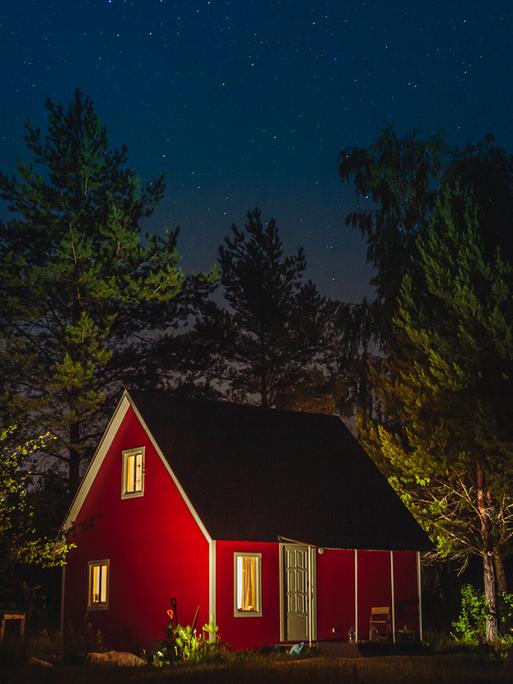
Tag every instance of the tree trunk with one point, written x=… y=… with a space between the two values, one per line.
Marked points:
x=264 y=371
x=489 y=579
x=264 y=397
x=74 y=428
x=500 y=573
x=74 y=458
x=490 y=594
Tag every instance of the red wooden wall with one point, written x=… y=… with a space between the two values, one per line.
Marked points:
x=406 y=591
x=374 y=586
x=157 y=551
x=248 y=632
x=155 y=547
x=335 y=594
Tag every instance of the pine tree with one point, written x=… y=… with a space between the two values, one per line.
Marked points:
x=272 y=336
x=447 y=390
x=85 y=297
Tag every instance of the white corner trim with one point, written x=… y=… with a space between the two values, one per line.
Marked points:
x=97 y=460
x=356 y=595
x=184 y=496
x=212 y=564
x=281 y=565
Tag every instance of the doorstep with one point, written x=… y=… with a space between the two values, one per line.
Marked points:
x=338 y=649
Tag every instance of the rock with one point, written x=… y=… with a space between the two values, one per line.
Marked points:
x=39 y=662
x=121 y=658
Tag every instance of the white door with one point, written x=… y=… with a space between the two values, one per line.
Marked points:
x=299 y=588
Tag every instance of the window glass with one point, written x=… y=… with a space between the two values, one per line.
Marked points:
x=133 y=472
x=98 y=583
x=247 y=584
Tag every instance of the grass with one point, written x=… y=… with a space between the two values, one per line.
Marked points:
x=447 y=669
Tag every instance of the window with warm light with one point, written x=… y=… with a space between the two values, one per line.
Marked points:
x=248 y=584
x=133 y=473
x=98 y=592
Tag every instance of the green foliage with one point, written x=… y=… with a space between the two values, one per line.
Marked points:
x=447 y=389
x=470 y=626
x=399 y=175
x=185 y=645
x=87 y=299
x=46 y=645
x=403 y=176
x=398 y=180
x=455 y=323
x=79 y=641
x=210 y=633
x=20 y=542
x=274 y=333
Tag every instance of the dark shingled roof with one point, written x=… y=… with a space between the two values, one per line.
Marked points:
x=259 y=474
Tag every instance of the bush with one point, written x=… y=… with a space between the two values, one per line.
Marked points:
x=46 y=645
x=79 y=642
x=470 y=626
x=187 y=646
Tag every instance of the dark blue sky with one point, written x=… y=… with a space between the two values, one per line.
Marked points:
x=248 y=102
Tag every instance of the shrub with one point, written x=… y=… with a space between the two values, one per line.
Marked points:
x=186 y=645
x=79 y=642
x=46 y=645
x=470 y=626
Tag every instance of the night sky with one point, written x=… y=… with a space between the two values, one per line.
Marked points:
x=248 y=103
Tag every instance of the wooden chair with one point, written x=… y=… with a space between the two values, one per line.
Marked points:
x=380 y=627
x=12 y=616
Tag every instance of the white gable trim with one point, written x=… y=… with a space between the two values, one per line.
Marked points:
x=97 y=461
x=99 y=456
x=188 y=503
x=212 y=575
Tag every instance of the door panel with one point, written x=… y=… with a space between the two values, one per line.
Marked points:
x=297 y=587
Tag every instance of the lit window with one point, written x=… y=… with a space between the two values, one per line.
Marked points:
x=133 y=473
x=98 y=593
x=248 y=582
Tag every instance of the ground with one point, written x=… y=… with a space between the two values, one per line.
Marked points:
x=448 y=669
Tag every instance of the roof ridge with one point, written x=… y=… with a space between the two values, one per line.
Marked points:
x=233 y=404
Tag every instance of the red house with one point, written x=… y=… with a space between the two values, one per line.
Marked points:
x=275 y=523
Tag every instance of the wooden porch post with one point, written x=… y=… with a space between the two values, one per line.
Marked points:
x=392 y=594
x=356 y=595
x=419 y=593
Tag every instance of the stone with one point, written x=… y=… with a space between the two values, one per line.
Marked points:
x=39 y=662
x=120 y=658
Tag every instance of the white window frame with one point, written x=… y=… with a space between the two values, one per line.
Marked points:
x=99 y=605
x=247 y=613
x=125 y=456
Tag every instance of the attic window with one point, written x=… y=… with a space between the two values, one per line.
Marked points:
x=133 y=473
x=248 y=584
x=98 y=591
